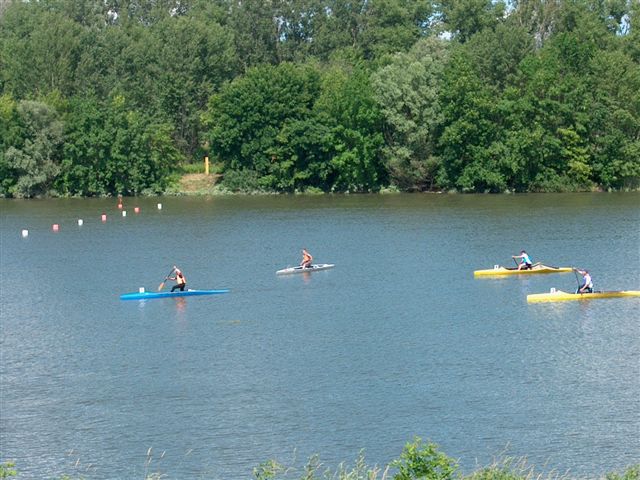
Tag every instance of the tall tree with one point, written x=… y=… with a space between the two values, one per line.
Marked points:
x=34 y=159
x=408 y=91
x=193 y=59
x=256 y=31
x=111 y=149
x=496 y=53
x=464 y=18
x=469 y=129
x=39 y=51
x=245 y=117
x=348 y=106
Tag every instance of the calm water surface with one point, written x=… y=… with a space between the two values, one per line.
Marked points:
x=398 y=340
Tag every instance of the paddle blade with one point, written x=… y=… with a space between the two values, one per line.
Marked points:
x=165 y=279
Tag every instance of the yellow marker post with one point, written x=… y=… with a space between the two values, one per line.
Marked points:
x=206 y=165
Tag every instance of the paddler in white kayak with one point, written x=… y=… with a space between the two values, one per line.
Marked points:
x=587 y=283
x=525 y=263
x=306 y=259
x=180 y=280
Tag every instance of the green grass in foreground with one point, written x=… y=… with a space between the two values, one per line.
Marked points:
x=418 y=460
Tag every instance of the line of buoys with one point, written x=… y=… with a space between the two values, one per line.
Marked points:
x=55 y=227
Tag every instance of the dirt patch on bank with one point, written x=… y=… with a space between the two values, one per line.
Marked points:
x=198 y=183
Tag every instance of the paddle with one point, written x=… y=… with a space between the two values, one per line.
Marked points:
x=575 y=272
x=165 y=279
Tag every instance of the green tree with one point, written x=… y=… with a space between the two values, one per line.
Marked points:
x=464 y=18
x=614 y=120
x=496 y=54
x=470 y=127
x=11 y=133
x=193 y=59
x=392 y=26
x=338 y=30
x=39 y=50
x=256 y=33
x=34 y=159
x=111 y=149
x=245 y=118
x=296 y=23
x=302 y=155
x=408 y=92
x=348 y=106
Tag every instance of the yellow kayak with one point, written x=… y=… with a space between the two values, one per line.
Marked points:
x=538 y=268
x=560 y=296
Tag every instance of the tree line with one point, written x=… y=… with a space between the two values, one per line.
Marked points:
x=105 y=97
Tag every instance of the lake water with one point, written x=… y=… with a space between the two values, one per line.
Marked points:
x=398 y=340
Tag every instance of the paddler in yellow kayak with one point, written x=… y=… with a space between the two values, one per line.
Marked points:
x=525 y=263
x=587 y=283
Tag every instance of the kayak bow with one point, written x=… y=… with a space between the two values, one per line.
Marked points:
x=150 y=295
x=499 y=271
x=560 y=296
x=312 y=268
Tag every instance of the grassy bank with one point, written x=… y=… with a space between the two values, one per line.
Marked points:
x=418 y=460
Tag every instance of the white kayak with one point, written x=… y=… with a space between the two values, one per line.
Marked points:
x=313 y=268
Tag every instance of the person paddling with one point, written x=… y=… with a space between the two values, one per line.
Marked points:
x=179 y=278
x=306 y=259
x=525 y=263
x=587 y=283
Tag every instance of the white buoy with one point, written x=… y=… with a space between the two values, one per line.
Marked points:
x=25 y=233
x=55 y=227
x=80 y=222
x=104 y=217
x=124 y=213
x=159 y=206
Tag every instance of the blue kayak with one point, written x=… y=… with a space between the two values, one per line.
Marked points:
x=178 y=293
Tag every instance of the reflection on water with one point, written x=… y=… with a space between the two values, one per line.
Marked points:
x=398 y=340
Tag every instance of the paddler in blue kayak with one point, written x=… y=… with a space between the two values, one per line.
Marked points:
x=306 y=259
x=179 y=278
x=587 y=283
x=525 y=263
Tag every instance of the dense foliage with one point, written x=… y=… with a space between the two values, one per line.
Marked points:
x=105 y=97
